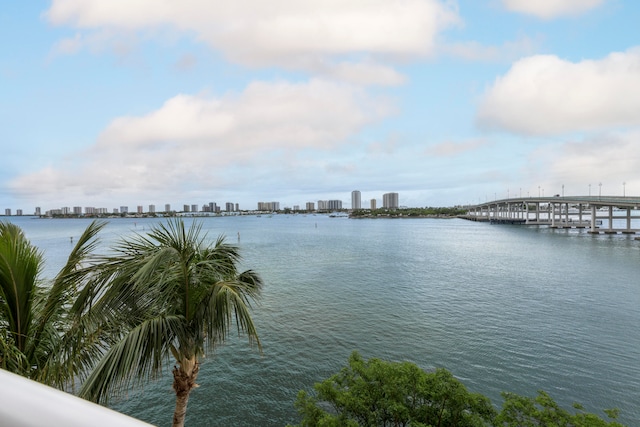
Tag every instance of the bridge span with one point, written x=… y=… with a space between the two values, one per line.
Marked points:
x=606 y=214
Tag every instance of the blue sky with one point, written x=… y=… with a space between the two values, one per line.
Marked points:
x=143 y=102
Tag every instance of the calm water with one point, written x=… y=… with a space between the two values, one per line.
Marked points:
x=505 y=308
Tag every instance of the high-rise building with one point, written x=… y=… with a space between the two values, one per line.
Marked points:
x=194 y=208
x=269 y=206
x=310 y=206
x=355 y=200
x=237 y=207
x=152 y=208
x=373 y=204
x=7 y=212
x=212 y=207
x=228 y=207
x=124 y=209
x=322 y=205
x=334 y=205
x=390 y=200
x=77 y=210
x=185 y=208
x=19 y=212
x=38 y=211
x=167 y=207
x=140 y=209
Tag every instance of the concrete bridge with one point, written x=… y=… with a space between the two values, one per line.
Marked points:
x=606 y=214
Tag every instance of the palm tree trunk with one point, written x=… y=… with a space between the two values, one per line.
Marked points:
x=184 y=380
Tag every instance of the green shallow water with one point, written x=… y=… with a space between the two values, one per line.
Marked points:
x=505 y=308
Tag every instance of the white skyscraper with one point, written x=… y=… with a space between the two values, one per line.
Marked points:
x=355 y=200
x=390 y=200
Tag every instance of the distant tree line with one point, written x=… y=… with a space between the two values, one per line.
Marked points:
x=427 y=212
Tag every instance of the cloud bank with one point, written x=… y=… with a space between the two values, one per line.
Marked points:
x=549 y=9
x=194 y=142
x=325 y=37
x=546 y=95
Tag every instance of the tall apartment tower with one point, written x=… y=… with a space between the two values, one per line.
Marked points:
x=373 y=204
x=390 y=200
x=310 y=206
x=356 y=202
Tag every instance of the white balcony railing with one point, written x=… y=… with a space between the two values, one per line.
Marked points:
x=26 y=403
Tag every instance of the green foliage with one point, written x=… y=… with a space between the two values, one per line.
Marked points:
x=380 y=393
x=173 y=296
x=47 y=332
x=429 y=212
x=521 y=411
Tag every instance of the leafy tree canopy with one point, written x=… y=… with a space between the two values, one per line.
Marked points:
x=385 y=394
x=380 y=393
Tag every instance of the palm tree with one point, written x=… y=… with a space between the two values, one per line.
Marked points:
x=174 y=297
x=47 y=332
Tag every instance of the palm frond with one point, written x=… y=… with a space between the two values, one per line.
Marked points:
x=65 y=285
x=20 y=265
x=137 y=357
x=229 y=302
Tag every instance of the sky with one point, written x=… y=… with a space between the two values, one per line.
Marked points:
x=138 y=102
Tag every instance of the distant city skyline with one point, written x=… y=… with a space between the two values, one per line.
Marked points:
x=328 y=204
x=447 y=102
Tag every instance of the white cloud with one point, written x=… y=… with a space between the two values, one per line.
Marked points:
x=548 y=9
x=547 y=95
x=293 y=34
x=198 y=143
x=609 y=158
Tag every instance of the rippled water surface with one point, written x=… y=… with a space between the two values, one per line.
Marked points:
x=505 y=308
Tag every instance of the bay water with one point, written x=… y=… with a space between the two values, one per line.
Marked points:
x=504 y=308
